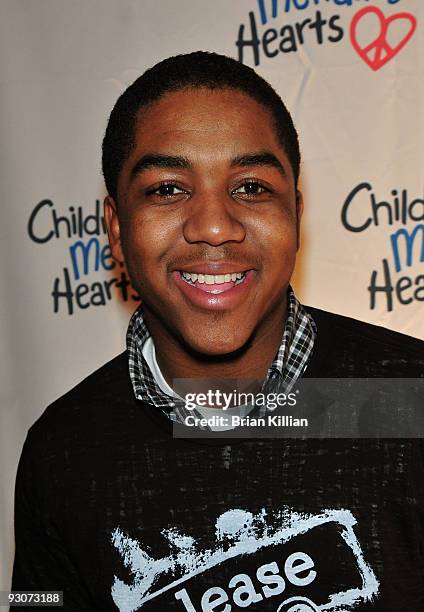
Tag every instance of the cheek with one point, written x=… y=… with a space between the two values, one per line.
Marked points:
x=277 y=238
x=137 y=244
x=146 y=238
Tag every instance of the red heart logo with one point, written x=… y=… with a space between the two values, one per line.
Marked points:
x=379 y=52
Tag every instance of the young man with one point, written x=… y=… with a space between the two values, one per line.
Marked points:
x=201 y=162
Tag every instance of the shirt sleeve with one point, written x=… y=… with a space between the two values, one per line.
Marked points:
x=42 y=561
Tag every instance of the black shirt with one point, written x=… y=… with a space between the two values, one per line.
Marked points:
x=118 y=514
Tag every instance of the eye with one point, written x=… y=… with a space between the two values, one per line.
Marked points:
x=166 y=190
x=250 y=189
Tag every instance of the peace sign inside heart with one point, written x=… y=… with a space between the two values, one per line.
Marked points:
x=378 y=52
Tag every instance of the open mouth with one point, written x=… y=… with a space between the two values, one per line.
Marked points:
x=214 y=283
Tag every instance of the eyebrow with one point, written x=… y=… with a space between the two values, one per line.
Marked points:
x=158 y=160
x=263 y=158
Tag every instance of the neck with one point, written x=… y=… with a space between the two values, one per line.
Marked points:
x=251 y=361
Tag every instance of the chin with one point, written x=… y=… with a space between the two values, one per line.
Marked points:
x=225 y=346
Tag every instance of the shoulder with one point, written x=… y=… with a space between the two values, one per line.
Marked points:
x=91 y=404
x=365 y=349
x=367 y=332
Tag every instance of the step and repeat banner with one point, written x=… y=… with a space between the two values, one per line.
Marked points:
x=350 y=71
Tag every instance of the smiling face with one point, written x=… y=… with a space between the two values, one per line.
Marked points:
x=207 y=219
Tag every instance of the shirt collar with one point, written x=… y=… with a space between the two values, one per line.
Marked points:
x=289 y=364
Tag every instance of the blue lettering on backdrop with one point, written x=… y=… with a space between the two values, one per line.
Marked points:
x=300 y=5
x=288 y=37
x=102 y=255
x=409 y=245
x=86 y=256
x=398 y=209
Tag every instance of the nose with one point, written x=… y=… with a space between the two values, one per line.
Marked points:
x=212 y=218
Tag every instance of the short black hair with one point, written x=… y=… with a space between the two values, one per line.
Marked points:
x=200 y=69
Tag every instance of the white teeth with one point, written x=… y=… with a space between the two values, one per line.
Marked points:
x=213 y=279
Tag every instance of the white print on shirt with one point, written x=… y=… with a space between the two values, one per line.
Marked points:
x=292 y=562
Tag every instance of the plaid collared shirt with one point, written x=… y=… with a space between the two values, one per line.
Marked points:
x=289 y=364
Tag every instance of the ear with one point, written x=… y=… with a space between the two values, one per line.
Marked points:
x=299 y=213
x=113 y=229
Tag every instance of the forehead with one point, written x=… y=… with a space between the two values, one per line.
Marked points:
x=205 y=125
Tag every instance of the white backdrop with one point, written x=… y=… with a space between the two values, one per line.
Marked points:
x=351 y=73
